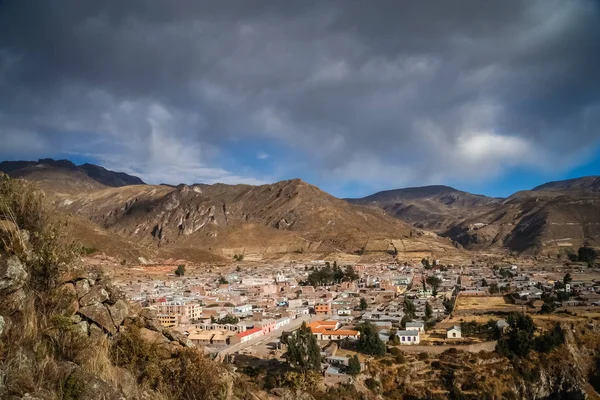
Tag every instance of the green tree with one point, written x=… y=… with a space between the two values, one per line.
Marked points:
x=519 y=339
x=338 y=273
x=567 y=279
x=409 y=308
x=303 y=352
x=369 y=341
x=180 y=271
x=484 y=282
x=494 y=288
x=587 y=254
x=426 y=264
x=350 y=274
x=354 y=365
x=223 y=281
x=434 y=282
x=428 y=310
x=363 y=304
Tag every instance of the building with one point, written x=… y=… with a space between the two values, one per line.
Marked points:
x=329 y=330
x=454 y=332
x=409 y=337
x=183 y=312
x=250 y=334
x=415 y=326
x=323 y=309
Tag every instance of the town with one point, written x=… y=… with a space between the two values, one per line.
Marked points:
x=246 y=311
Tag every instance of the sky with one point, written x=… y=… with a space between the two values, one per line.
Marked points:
x=352 y=96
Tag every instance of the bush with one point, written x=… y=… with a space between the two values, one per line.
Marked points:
x=372 y=384
x=423 y=356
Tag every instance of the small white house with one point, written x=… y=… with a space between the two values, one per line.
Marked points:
x=409 y=337
x=415 y=326
x=454 y=332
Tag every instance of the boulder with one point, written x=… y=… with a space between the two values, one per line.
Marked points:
x=118 y=312
x=114 y=293
x=82 y=287
x=99 y=314
x=89 y=387
x=83 y=327
x=153 y=336
x=2 y=325
x=96 y=332
x=13 y=275
x=13 y=302
x=97 y=294
x=68 y=291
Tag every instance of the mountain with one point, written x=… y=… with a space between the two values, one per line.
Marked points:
x=586 y=183
x=63 y=176
x=431 y=207
x=554 y=218
x=288 y=217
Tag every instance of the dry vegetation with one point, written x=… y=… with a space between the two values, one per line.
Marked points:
x=42 y=352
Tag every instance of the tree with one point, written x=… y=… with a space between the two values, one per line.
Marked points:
x=303 y=352
x=494 y=288
x=434 y=282
x=428 y=310
x=238 y=257
x=587 y=254
x=180 y=271
x=350 y=274
x=448 y=305
x=369 y=341
x=519 y=340
x=409 y=308
x=484 y=283
x=426 y=264
x=228 y=319
x=567 y=279
x=354 y=365
x=338 y=274
x=223 y=281
x=363 y=304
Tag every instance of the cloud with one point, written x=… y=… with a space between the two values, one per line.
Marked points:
x=395 y=93
x=262 y=156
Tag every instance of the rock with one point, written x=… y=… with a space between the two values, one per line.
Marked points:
x=99 y=314
x=95 y=331
x=83 y=327
x=118 y=312
x=82 y=287
x=97 y=294
x=13 y=302
x=13 y=275
x=153 y=336
x=89 y=387
x=68 y=291
x=114 y=293
x=2 y=325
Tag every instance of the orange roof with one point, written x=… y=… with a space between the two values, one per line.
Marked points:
x=344 y=332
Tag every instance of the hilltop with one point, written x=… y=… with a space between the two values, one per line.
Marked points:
x=63 y=176
x=434 y=207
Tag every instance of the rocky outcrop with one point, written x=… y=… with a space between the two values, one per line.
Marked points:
x=13 y=275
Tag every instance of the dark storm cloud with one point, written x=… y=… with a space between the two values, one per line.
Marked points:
x=401 y=92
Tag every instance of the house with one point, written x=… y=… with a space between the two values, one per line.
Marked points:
x=323 y=309
x=409 y=337
x=415 y=325
x=250 y=334
x=454 y=332
x=329 y=330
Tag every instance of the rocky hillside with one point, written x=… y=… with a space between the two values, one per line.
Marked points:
x=67 y=333
x=284 y=217
x=431 y=207
x=62 y=176
x=554 y=218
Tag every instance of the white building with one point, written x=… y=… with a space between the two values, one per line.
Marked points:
x=409 y=337
x=454 y=332
x=415 y=326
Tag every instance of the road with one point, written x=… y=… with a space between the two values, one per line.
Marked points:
x=295 y=324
